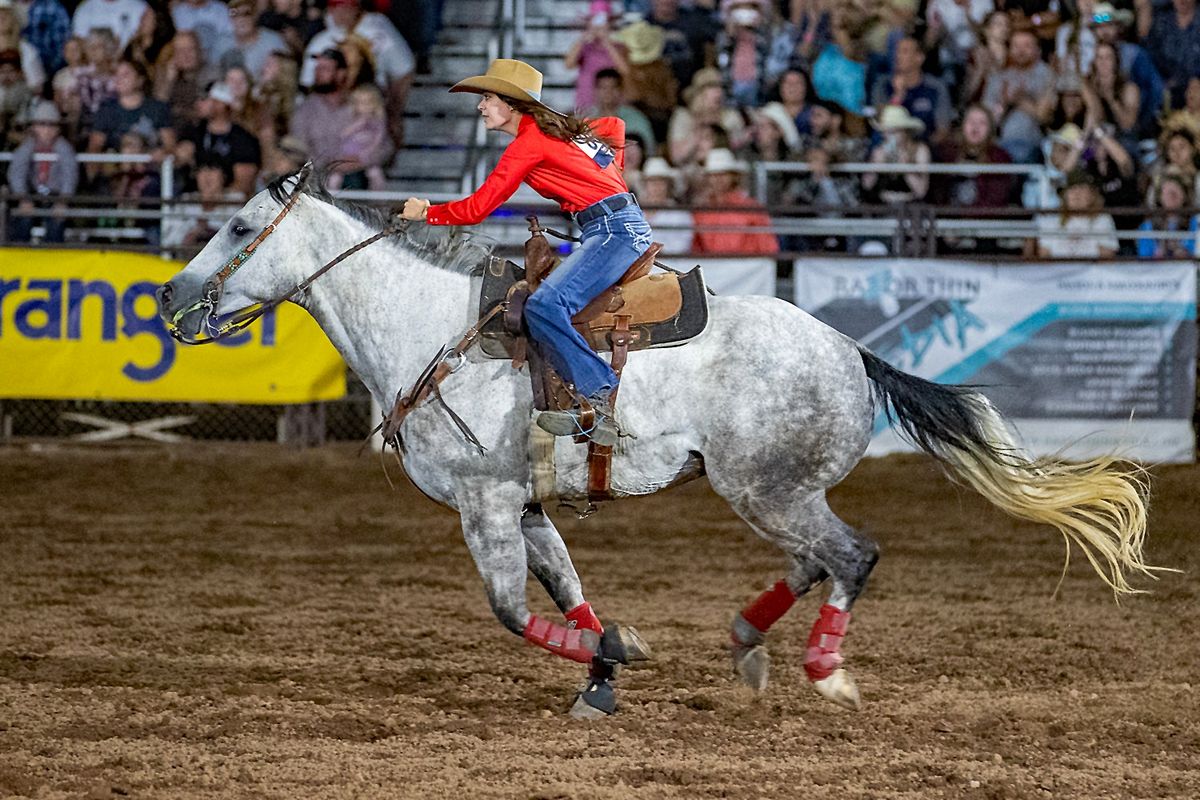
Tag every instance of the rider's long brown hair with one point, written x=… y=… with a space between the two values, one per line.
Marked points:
x=567 y=128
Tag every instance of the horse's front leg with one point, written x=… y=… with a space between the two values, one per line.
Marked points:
x=551 y=564
x=492 y=529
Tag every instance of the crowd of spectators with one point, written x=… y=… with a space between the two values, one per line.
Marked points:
x=1106 y=97
x=237 y=91
x=234 y=92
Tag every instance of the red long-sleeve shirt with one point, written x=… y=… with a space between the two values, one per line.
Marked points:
x=572 y=174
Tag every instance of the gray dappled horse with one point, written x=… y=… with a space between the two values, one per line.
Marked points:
x=772 y=405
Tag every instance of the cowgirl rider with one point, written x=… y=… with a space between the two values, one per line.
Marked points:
x=578 y=164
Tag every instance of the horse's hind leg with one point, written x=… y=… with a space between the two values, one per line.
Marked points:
x=821 y=545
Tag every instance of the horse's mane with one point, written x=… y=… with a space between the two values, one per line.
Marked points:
x=444 y=247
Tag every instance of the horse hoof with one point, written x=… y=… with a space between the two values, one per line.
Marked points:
x=753 y=666
x=636 y=648
x=623 y=645
x=596 y=701
x=840 y=688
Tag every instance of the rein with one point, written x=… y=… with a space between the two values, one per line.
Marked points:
x=240 y=320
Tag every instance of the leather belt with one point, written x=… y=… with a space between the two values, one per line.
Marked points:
x=609 y=205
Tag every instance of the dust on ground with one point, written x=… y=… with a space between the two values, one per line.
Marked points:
x=249 y=621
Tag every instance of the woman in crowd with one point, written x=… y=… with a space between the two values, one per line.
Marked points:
x=1171 y=196
x=153 y=34
x=794 y=92
x=183 y=77
x=1082 y=229
x=1077 y=104
x=1119 y=99
x=990 y=56
x=1178 y=154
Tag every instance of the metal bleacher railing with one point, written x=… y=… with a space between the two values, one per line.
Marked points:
x=912 y=229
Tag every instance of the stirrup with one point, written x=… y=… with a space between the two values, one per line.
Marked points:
x=603 y=431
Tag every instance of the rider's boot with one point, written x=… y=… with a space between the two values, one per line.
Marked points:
x=603 y=430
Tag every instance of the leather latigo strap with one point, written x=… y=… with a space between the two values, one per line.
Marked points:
x=600 y=457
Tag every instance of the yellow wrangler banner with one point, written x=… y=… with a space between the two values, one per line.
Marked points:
x=80 y=324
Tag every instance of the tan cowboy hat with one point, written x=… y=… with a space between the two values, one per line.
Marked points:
x=508 y=78
x=645 y=41
x=1068 y=134
x=720 y=159
x=897 y=118
x=708 y=76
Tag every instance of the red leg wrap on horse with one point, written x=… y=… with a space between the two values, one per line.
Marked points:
x=577 y=645
x=583 y=618
x=822 y=656
x=772 y=604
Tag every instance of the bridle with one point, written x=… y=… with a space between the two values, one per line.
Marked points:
x=214 y=287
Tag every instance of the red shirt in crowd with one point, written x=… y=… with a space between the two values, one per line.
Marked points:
x=573 y=174
x=709 y=239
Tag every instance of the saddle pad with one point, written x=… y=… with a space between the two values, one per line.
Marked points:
x=664 y=317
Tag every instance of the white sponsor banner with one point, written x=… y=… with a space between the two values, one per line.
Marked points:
x=734 y=275
x=1086 y=358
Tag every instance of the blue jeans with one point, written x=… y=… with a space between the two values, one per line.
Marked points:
x=611 y=243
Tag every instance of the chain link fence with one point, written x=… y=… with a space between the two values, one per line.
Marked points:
x=347 y=419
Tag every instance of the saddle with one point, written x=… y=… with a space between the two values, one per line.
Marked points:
x=639 y=311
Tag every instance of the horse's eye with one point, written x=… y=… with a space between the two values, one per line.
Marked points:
x=240 y=230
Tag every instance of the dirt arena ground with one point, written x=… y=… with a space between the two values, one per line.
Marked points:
x=246 y=621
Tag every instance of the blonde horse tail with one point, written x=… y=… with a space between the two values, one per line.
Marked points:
x=1098 y=505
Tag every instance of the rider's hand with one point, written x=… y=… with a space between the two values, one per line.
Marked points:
x=414 y=208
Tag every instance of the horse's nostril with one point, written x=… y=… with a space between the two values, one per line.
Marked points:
x=164 y=295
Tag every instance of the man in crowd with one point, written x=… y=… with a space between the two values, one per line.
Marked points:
x=220 y=142
x=326 y=112
x=1021 y=96
x=729 y=227
x=394 y=63
x=925 y=97
x=252 y=44
x=610 y=102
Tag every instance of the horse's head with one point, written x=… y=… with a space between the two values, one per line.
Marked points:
x=216 y=288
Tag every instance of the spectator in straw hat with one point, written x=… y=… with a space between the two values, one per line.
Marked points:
x=650 y=83
x=52 y=180
x=728 y=220
x=673 y=226
x=901 y=144
x=577 y=163
x=705 y=105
